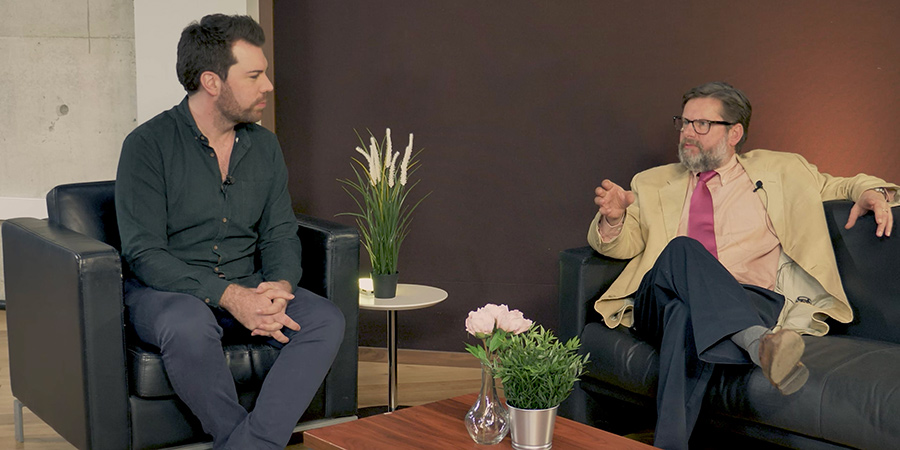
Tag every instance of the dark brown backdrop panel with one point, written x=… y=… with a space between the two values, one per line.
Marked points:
x=523 y=107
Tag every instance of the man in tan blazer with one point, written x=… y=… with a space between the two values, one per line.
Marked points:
x=755 y=270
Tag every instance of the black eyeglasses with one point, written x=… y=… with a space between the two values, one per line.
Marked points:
x=701 y=126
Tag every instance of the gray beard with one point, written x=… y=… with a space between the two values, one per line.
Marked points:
x=703 y=161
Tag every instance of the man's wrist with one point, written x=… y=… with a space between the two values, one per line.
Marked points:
x=887 y=195
x=226 y=301
x=610 y=224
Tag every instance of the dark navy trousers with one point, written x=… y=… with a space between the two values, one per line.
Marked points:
x=189 y=334
x=688 y=306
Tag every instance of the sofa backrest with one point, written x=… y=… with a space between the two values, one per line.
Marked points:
x=869 y=272
x=88 y=208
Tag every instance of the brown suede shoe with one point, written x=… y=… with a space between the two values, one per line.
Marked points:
x=779 y=356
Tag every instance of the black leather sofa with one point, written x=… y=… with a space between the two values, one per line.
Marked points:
x=73 y=361
x=852 y=398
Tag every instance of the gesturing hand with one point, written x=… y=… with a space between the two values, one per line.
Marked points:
x=872 y=201
x=612 y=200
x=261 y=310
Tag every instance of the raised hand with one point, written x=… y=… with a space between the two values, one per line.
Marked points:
x=612 y=200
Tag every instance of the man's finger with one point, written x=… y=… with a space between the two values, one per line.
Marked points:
x=270 y=326
x=851 y=220
x=277 y=306
x=288 y=322
x=280 y=337
x=889 y=223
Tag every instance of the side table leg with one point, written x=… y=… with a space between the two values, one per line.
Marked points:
x=392 y=360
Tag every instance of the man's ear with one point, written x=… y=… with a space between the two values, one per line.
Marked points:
x=211 y=83
x=735 y=134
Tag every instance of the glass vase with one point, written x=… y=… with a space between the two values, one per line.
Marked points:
x=488 y=419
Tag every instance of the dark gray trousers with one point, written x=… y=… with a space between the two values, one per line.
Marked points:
x=688 y=306
x=189 y=334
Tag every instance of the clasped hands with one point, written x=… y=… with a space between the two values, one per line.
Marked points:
x=261 y=310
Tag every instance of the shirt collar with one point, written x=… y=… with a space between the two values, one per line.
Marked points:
x=183 y=110
x=727 y=173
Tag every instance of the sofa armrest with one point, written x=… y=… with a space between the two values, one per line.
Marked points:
x=868 y=269
x=584 y=275
x=330 y=263
x=65 y=327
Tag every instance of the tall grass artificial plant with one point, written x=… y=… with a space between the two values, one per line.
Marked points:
x=380 y=192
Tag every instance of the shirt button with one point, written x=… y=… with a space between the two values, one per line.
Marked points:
x=215 y=247
x=237 y=139
x=206 y=300
x=216 y=269
x=224 y=219
x=212 y=154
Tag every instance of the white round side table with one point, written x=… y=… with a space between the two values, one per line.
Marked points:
x=409 y=296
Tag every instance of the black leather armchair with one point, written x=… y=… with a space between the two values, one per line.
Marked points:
x=851 y=398
x=73 y=361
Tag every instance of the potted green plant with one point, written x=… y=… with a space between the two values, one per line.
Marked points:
x=382 y=185
x=538 y=372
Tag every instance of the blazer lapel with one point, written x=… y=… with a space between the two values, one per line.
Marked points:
x=671 y=199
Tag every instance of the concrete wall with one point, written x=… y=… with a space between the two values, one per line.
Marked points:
x=71 y=87
x=67 y=90
x=67 y=87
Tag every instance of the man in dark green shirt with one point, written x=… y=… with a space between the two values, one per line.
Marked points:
x=211 y=240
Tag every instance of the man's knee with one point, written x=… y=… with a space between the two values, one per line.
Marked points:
x=316 y=313
x=331 y=317
x=685 y=244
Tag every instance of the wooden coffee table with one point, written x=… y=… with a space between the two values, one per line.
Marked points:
x=440 y=425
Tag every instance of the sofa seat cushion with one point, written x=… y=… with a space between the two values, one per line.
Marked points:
x=852 y=396
x=249 y=364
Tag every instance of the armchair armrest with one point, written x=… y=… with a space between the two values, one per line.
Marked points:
x=65 y=327
x=330 y=262
x=584 y=275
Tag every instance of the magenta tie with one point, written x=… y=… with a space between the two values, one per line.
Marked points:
x=701 y=225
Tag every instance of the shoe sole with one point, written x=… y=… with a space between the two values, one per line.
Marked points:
x=787 y=373
x=794 y=380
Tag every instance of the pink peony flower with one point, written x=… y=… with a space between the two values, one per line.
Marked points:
x=480 y=323
x=513 y=322
x=494 y=310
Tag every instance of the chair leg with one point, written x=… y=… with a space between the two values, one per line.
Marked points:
x=17 y=418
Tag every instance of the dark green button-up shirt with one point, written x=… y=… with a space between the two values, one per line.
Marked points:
x=183 y=229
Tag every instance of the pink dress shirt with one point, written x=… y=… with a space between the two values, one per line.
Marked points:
x=745 y=239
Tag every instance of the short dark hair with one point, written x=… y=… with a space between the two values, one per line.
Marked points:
x=735 y=105
x=206 y=46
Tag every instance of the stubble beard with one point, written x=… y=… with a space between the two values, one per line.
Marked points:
x=702 y=160
x=230 y=109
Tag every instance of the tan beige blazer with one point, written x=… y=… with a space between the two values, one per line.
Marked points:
x=793 y=192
